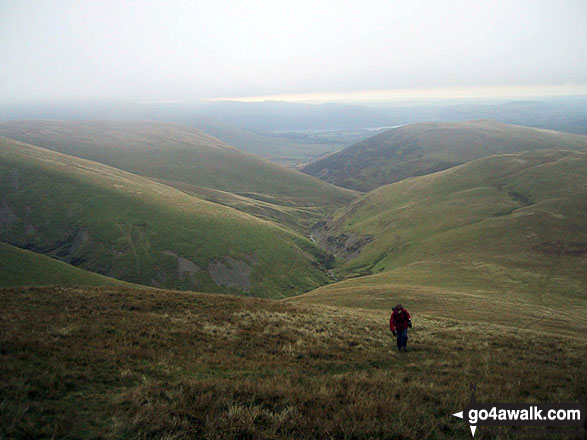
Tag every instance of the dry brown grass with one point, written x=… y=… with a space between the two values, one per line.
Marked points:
x=120 y=363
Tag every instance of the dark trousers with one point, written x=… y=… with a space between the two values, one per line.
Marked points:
x=402 y=338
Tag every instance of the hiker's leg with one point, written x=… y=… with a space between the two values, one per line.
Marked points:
x=402 y=338
x=399 y=340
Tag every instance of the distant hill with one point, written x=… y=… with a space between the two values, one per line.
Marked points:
x=132 y=228
x=177 y=154
x=281 y=115
x=272 y=147
x=556 y=113
x=25 y=268
x=504 y=228
x=567 y=114
x=420 y=149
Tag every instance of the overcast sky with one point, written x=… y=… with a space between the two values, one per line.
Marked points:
x=185 y=50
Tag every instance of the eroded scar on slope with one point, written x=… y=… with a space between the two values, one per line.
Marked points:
x=231 y=272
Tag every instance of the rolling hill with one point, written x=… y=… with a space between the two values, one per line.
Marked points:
x=181 y=156
x=25 y=268
x=504 y=233
x=134 y=229
x=488 y=256
x=419 y=149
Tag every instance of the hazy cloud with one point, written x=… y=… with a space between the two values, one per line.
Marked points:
x=192 y=49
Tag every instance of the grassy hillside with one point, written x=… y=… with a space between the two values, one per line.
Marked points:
x=120 y=363
x=419 y=149
x=24 y=268
x=509 y=228
x=134 y=229
x=178 y=154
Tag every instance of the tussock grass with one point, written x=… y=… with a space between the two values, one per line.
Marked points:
x=122 y=363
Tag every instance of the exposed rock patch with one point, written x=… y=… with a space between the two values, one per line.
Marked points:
x=185 y=267
x=232 y=273
x=346 y=246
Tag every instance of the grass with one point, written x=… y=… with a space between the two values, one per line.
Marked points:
x=505 y=228
x=24 y=268
x=489 y=258
x=134 y=229
x=121 y=363
x=419 y=149
x=179 y=154
x=462 y=303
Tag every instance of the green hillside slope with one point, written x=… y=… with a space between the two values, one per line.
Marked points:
x=121 y=363
x=506 y=228
x=134 y=229
x=24 y=268
x=419 y=149
x=177 y=154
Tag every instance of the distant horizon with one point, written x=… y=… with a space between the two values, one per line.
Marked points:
x=419 y=94
x=358 y=97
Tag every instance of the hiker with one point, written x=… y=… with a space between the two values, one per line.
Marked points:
x=399 y=322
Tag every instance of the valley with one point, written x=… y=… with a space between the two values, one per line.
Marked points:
x=132 y=228
x=301 y=220
x=133 y=253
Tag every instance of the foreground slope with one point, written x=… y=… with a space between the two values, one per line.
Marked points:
x=418 y=149
x=121 y=363
x=25 y=268
x=134 y=229
x=506 y=228
x=177 y=154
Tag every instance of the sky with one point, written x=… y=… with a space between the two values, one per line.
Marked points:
x=175 y=50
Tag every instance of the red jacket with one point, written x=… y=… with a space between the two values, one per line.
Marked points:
x=399 y=320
